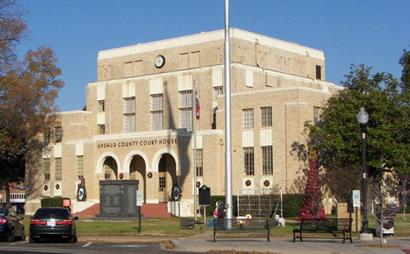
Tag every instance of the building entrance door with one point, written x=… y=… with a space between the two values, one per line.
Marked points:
x=138 y=172
x=166 y=177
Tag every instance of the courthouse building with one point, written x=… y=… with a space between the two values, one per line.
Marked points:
x=139 y=117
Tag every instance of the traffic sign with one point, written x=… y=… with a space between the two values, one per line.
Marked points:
x=356 y=198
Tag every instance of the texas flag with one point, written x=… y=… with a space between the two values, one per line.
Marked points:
x=197 y=107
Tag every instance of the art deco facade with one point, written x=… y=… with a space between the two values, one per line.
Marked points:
x=139 y=115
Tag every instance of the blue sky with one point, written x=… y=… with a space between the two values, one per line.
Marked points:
x=371 y=32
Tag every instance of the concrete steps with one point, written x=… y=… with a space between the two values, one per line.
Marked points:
x=155 y=210
x=148 y=211
x=89 y=212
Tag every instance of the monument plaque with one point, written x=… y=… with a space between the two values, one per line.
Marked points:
x=117 y=198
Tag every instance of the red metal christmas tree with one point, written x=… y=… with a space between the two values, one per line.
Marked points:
x=312 y=203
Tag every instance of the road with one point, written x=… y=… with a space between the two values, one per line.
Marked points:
x=23 y=247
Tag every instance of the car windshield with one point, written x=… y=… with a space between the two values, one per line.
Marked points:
x=58 y=213
x=4 y=212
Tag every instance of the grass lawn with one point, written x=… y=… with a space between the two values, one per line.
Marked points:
x=157 y=227
x=170 y=227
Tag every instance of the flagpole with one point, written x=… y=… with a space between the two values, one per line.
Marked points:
x=228 y=150
x=194 y=150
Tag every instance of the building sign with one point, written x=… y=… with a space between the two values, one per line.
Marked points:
x=135 y=143
x=356 y=198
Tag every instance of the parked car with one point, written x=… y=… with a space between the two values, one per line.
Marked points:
x=53 y=223
x=11 y=226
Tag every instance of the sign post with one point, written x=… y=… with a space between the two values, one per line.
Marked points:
x=356 y=205
x=139 y=199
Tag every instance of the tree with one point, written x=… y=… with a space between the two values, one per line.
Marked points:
x=337 y=136
x=12 y=28
x=405 y=77
x=312 y=202
x=28 y=90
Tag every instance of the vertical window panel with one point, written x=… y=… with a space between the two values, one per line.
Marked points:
x=249 y=162
x=129 y=114
x=58 y=169
x=267 y=166
x=80 y=166
x=46 y=168
x=199 y=162
x=266 y=116
x=247 y=118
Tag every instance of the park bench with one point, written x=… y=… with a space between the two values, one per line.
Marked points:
x=336 y=227
x=241 y=225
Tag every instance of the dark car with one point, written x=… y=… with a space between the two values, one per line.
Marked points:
x=53 y=223
x=11 y=226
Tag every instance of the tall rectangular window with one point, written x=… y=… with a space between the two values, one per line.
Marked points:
x=316 y=114
x=318 y=72
x=101 y=105
x=162 y=183
x=58 y=169
x=58 y=134
x=199 y=162
x=218 y=90
x=249 y=160
x=267 y=167
x=129 y=114
x=156 y=112
x=266 y=116
x=101 y=129
x=80 y=166
x=185 y=109
x=46 y=168
x=247 y=118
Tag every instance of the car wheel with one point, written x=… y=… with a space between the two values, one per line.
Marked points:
x=31 y=240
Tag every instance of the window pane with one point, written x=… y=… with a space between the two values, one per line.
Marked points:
x=266 y=116
x=162 y=183
x=46 y=168
x=218 y=90
x=129 y=122
x=186 y=99
x=101 y=106
x=249 y=161
x=199 y=162
x=316 y=114
x=58 y=134
x=156 y=120
x=129 y=105
x=80 y=166
x=267 y=160
x=58 y=169
x=186 y=118
x=248 y=118
x=101 y=129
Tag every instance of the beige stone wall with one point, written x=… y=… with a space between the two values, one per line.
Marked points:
x=280 y=78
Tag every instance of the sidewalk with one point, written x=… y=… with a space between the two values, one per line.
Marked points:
x=203 y=243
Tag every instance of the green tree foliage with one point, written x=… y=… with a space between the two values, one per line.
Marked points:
x=28 y=90
x=337 y=136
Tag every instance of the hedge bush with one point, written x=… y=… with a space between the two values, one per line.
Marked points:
x=210 y=209
x=291 y=204
x=53 y=202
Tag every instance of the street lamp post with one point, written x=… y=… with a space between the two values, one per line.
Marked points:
x=362 y=119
